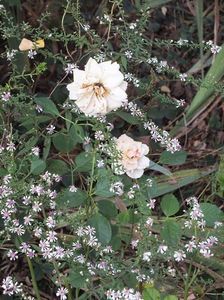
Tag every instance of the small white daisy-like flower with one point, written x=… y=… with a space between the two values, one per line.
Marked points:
x=100 y=163
x=99 y=135
x=38 y=108
x=62 y=292
x=132 y=25
x=152 y=203
x=179 y=255
x=6 y=96
x=180 y=103
x=147 y=256
x=13 y=255
x=11 y=54
x=35 y=151
x=183 y=77
x=50 y=129
x=162 y=249
x=69 y=68
x=32 y=53
x=86 y=27
x=72 y=189
x=215 y=49
x=128 y=54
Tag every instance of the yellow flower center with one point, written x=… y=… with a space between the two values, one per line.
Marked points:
x=98 y=89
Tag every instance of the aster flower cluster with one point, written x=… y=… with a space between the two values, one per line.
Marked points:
x=196 y=214
x=32 y=202
x=7 y=146
x=125 y=294
x=11 y=287
x=163 y=137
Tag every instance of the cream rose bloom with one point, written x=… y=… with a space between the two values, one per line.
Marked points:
x=133 y=157
x=99 y=89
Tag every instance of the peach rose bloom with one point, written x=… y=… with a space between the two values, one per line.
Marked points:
x=99 y=89
x=133 y=154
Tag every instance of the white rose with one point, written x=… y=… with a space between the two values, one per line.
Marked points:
x=99 y=89
x=133 y=154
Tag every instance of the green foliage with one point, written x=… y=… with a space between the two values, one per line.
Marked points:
x=77 y=278
x=151 y=294
x=47 y=105
x=211 y=213
x=71 y=199
x=103 y=183
x=107 y=208
x=173 y=159
x=57 y=166
x=171 y=232
x=37 y=166
x=69 y=192
x=103 y=228
x=169 y=205
x=83 y=162
x=66 y=141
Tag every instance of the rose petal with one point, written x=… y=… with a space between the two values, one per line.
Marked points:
x=137 y=173
x=143 y=162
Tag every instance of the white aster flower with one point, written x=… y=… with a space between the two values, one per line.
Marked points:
x=133 y=154
x=62 y=292
x=99 y=89
x=147 y=256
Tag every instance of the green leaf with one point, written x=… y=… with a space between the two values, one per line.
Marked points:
x=205 y=94
x=102 y=227
x=169 y=205
x=157 y=3
x=173 y=159
x=3 y=172
x=57 y=166
x=199 y=19
x=28 y=145
x=103 y=183
x=84 y=161
x=170 y=297
x=151 y=294
x=211 y=213
x=47 y=105
x=66 y=141
x=116 y=243
x=156 y=167
x=63 y=143
x=128 y=117
x=37 y=166
x=178 y=180
x=47 y=147
x=171 y=232
x=107 y=208
x=71 y=199
x=77 y=277
x=126 y=217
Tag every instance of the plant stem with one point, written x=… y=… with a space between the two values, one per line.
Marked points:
x=34 y=282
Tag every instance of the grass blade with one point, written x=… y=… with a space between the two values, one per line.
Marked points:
x=204 y=95
x=199 y=18
x=179 y=179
